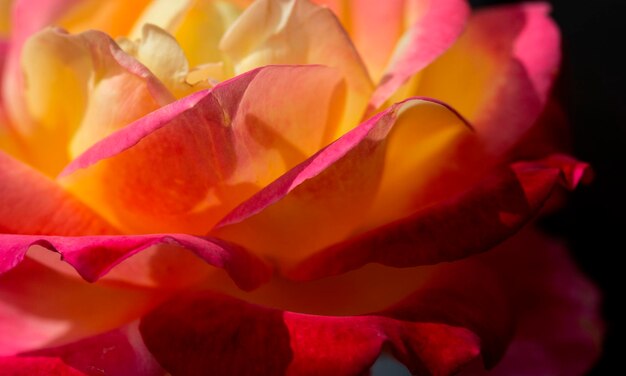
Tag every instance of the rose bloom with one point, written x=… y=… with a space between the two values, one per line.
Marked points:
x=284 y=187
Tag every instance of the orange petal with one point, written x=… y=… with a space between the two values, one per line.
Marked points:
x=183 y=167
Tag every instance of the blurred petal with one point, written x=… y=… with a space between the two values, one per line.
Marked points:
x=189 y=333
x=103 y=90
x=31 y=203
x=559 y=329
x=336 y=186
x=288 y=32
x=480 y=218
x=27 y=366
x=40 y=307
x=184 y=166
x=94 y=256
x=120 y=352
x=113 y=17
x=499 y=73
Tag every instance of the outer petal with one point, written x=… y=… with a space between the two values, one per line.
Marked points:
x=480 y=218
x=559 y=328
x=104 y=90
x=227 y=143
x=288 y=32
x=30 y=203
x=93 y=257
x=275 y=342
x=120 y=352
x=40 y=307
x=498 y=74
x=336 y=186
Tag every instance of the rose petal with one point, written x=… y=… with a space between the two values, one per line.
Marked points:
x=26 y=366
x=499 y=73
x=104 y=90
x=30 y=203
x=336 y=186
x=183 y=167
x=288 y=32
x=120 y=352
x=188 y=334
x=480 y=218
x=94 y=256
x=559 y=328
x=40 y=307
x=434 y=26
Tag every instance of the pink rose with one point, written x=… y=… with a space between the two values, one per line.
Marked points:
x=283 y=187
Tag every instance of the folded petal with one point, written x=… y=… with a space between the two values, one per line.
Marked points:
x=103 y=90
x=337 y=186
x=183 y=167
x=41 y=307
x=288 y=32
x=188 y=334
x=31 y=203
x=498 y=74
x=480 y=218
x=95 y=256
x=120 y=352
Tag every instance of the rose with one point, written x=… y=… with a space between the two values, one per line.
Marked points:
x=138 y=153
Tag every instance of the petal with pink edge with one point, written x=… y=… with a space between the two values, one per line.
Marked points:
x=104 y=90
x=288 y=32
x=498 y=74
x=483 y=216
x=31 y=203
x=95 y=256
x=40 y=307
x=184 y=166
x=337 y=186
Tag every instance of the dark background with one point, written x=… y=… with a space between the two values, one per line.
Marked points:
x=591 y=89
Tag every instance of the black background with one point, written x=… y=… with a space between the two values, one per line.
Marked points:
x=591 y=89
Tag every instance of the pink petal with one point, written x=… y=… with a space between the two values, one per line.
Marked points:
x=190 y=333
x=95 y=256
x=499 y=73
x=437 y=25
x=184 y=166
x=559 y=328
x=30 y=203
x=40 y=307
x=480 y=218
x=120 y=352
x=26 y=366
x=336 y=186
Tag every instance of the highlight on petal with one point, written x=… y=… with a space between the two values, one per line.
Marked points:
x=184 y=166
x=498 y=74
x=40 y=307
x=31 y=203
x=119 y=352
x=337 y=186
x=95 y=256
x=103 y=90
x=288 y=32
x=188 y=333
x=487 y=214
